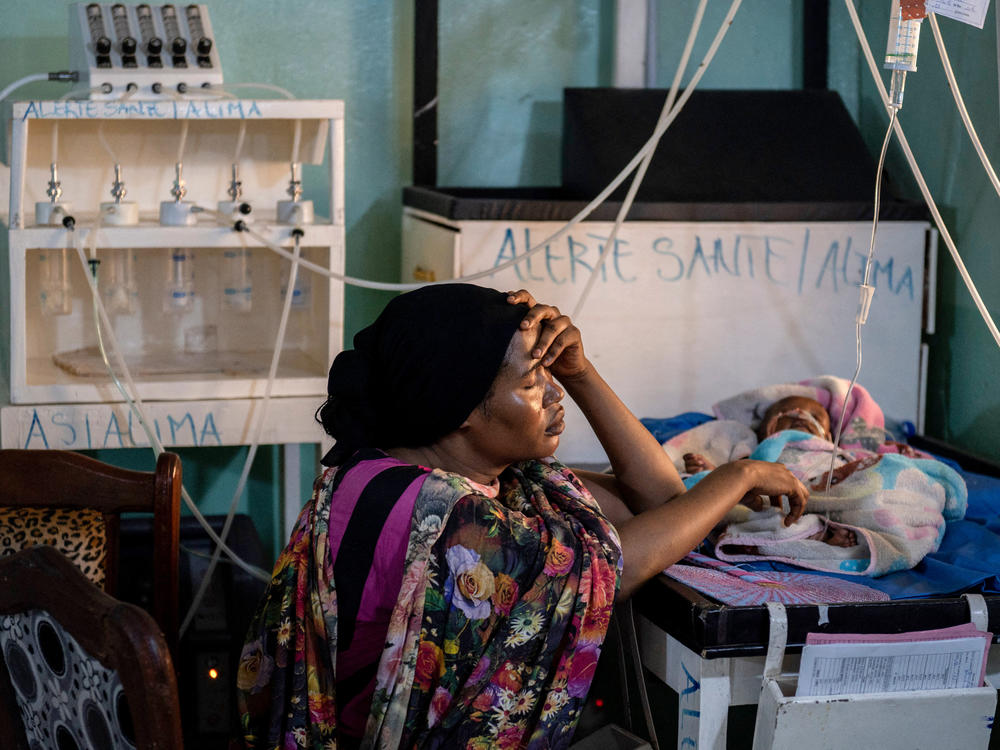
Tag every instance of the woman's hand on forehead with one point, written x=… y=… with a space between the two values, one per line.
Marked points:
x=559 y=345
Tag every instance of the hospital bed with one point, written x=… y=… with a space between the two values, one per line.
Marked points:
x=712 y=654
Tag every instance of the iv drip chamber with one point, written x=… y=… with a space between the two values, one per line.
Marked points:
x=903 y=39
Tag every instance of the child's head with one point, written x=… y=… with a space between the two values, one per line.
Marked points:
x=795 y=413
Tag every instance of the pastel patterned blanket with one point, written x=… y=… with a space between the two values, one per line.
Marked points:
x=896 y=505
x=895 y=499
x=493 y=644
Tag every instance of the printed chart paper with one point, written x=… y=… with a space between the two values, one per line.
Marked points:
x=860 y=668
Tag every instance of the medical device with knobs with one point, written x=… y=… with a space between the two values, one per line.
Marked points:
x=154 y=49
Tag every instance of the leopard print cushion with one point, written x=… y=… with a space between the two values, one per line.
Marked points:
x=79 y=533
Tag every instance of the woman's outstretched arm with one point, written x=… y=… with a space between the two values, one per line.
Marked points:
x=657 y=519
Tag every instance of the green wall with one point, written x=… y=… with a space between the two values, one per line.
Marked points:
x=503 y=64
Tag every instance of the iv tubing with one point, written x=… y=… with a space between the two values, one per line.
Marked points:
x=296 y=140
x=7 y=91
x=647 y=148
x=254 y=443
x=136 y=406
x=925 y=191
x=183 y=143
x=641 y=171
x=860 y=319
x=239 y=141
x=960 y=104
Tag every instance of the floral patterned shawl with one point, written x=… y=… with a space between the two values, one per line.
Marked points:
x=493 y=644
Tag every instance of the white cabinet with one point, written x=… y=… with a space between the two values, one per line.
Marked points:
x=206 y=359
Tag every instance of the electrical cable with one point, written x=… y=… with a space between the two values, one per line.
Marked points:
x=866 y=297
x=631 y=631
x=960 y=104
x=254 y=443
x=921 y=182
x=640 y=173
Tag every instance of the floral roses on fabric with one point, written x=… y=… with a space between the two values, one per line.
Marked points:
x=470 y=583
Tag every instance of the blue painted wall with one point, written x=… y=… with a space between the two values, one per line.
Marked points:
x=503 y=64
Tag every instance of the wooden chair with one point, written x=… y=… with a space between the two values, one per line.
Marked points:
x=45 y=492
x=77 y=667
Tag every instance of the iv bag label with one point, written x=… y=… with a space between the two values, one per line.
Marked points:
x=972 y=12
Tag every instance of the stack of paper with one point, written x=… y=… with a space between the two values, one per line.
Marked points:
x=921 y=660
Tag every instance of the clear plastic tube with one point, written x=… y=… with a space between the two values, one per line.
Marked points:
x=647 y=148
x=960 y=104
x=134 y=402
x=665 y=113
x=11 y=88
x=255 y=441
x=919 y=177
x=301 y=289
x=866 y=292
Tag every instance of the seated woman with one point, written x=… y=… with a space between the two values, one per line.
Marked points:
x=450 y=583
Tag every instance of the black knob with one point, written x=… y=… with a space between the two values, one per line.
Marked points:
x=102 y=45
x=154 y=46
x=240 y=225
x=128 y=46
x=179 y=45
x=204 y=45
x=245 y=208
x=182 y=88
x=157 y=88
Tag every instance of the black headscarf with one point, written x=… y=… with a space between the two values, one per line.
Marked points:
x=419 y=370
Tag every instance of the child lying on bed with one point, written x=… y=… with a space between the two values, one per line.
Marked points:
x=790 y=413
x=886 y=507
